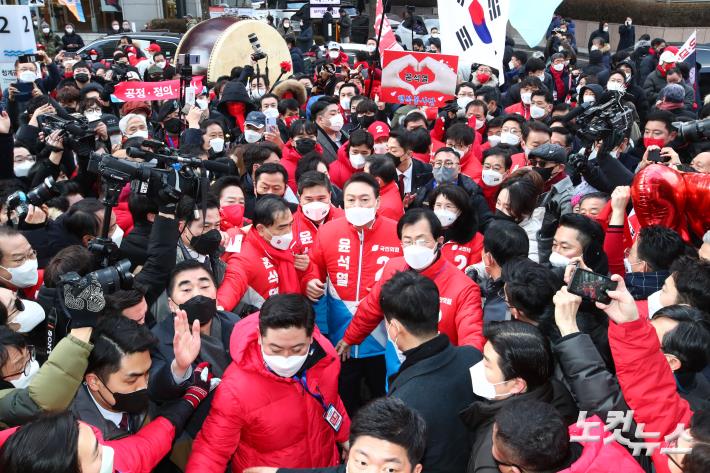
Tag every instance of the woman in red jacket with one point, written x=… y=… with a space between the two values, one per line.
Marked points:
x=462 y=242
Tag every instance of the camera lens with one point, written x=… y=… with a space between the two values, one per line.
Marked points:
x=42 y=193
x=115 y=277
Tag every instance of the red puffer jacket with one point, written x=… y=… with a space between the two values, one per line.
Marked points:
x=461 y=315
x=340 y=170
x=258 y=418
x=289 y=160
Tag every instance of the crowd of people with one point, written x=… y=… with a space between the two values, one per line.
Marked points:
x=297 y=275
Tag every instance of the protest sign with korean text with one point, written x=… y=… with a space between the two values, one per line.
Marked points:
x=412 y=78
x=134 y=91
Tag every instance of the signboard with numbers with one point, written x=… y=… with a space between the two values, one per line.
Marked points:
x=16 y=34
x=474 y=30
x=412 y=78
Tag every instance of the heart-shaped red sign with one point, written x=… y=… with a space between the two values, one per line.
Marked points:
x=411 y=76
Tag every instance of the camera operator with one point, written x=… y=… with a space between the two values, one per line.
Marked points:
x=27 y=71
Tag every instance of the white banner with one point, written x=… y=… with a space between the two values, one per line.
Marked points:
x=474 y=30
x=318 y=12
x=687 y=49
x=7 y=74
x=16 y=34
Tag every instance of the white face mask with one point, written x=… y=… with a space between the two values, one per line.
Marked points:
x=627 y=266
x=461 y=151
x=316 y=211
x=370 y=48
x=526 y=97
x=508 y=138
x=558 y=261
x=24 y=275
x=360 y=216
x=615 y=86
x=217 y=144
x=271 y=112
x=251 y=136
x=345 y=103
x=202 y=103
x=27 y=76
x=23 y=169
x=400 y=354
x=336 y=122
x=94 y=57
x=481 y=386
x=357 y=160
x=588 y=98
x=380 y=148
x=491 y=178
x=446 y=217
x=69 y=30
x=494 y=140
x=139 y=134
x=92 y=116
x=606 y=28
x=107 y=455
x=558 y=67
x=463 y=101
x=24 y=380
x=161 y=64
x=419 y=257
x=537 y=112
x=117 y=236
x=479 y=124
x=654 y=303
x=29 y=318
x=284 y=366
x=334 y=54
x=45 y=30
x=511 y=65
x=281 y=242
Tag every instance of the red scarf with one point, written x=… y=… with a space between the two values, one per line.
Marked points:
x=282 y=259
x=559 y=83
x=554 y=180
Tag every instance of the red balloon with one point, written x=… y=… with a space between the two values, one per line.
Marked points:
x=659 y=196
x=697 y=203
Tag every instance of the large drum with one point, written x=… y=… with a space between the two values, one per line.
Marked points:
x=223 y=43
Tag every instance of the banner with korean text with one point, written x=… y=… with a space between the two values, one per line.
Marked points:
x=412 y=78
x=134 y=91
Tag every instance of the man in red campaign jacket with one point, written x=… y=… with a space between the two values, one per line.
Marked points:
x=345 y=262
x=383 y=170
x=461 y=316
x=303 y=140
x=314 y=210
x=278 y=401
x=268 y=261
x=463 y=140
x=351 y=157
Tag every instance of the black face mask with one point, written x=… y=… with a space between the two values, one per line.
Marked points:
x=207 y=243
x=366 y=121
x=396 y=159
x=132 y=403
x=546 y=173
x=305 y=146
x=200 y=308
x=70 y=109
x=500 y=215
x=82 y=77
x=173 y=125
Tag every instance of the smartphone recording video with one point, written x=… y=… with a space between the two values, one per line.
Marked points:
x=591 y=286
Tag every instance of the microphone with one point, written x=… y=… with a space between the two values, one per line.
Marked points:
x=213 y=166
x=134 y=152
x=155 y=145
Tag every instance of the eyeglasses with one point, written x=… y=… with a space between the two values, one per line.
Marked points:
x=538 y=163
x=31 y=354
x=406 y=243
x=446 y=164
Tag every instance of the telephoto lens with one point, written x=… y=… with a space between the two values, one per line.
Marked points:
x=43 y=192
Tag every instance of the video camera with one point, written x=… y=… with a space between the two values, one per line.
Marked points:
x=77 y=132
x=608 y=118
x=111 y=278
x=19 y=201
x=697 y=130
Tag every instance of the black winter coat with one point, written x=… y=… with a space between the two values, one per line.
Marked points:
x=447 y=374
x=480 y=416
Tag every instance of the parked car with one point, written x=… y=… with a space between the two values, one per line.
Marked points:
x=406 y=35
x=105 y=46
x=703 y=59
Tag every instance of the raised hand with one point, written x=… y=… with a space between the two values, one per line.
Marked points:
x=186 y=343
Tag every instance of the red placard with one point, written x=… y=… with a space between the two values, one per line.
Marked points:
x=133 y=91
x=412 y=78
